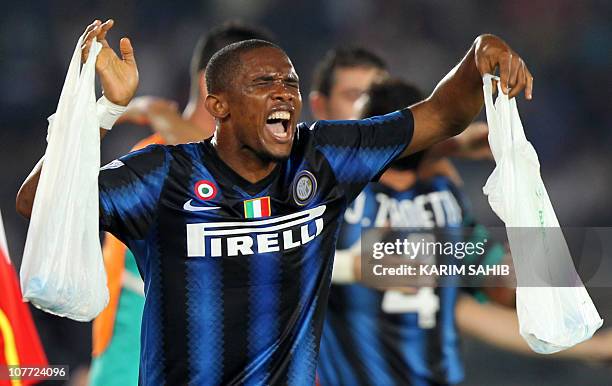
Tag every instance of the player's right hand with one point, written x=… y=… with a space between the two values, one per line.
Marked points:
x=491 y=53
x=118 y=76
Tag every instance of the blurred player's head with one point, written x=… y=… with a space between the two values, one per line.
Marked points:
x=231 y=31
x=386 y=96
x=340 y=79
x=254 y=95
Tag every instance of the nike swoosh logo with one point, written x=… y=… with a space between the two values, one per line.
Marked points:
x=191 y=208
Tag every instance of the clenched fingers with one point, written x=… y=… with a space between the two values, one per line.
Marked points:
x=492 y=52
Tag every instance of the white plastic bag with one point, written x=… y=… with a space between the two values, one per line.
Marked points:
x=552 y=317
x=62 y=270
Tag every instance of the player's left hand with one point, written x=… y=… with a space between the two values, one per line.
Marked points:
x=118 y=76
x=492 y=52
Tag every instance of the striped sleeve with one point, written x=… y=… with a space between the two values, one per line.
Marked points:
x=130 y=188
x=359 y=151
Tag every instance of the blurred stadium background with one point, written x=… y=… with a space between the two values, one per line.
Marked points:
x=568 y=45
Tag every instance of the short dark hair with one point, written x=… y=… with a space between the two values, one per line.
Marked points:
x=389 y=95
x=218 y=37
x=231 y=31
x=345 y=57
x=224 y=65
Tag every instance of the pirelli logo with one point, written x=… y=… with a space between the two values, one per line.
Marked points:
x=250 y=237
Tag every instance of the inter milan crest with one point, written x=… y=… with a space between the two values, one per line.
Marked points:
x=257 y=207
x=304 y=187
x=205 y=190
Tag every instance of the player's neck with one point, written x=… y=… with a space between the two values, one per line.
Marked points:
x=241 y=160
x=398 y=180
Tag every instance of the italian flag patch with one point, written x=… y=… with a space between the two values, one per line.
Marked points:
x=257 y=207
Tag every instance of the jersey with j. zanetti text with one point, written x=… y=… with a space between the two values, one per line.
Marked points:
x=237 y=274
x=373 y=337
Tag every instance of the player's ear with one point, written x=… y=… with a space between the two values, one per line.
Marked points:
x=318 y=105
x=216 y=106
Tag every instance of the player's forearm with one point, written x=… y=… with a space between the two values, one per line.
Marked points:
x=498 y=326
x=595 y=349
x=492 y=324
x=458 y=97
x=27 y=193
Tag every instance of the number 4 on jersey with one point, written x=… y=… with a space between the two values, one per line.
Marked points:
x=425 y=303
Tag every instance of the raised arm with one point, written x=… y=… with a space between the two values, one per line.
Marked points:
x=119 y=79
x=458 y=98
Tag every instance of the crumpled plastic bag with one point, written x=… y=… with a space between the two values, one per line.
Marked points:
x=554 y=309
x=62 y=270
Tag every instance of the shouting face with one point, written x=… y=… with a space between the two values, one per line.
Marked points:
x=264 y=103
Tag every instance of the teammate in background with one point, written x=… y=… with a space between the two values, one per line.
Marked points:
x=235 y=236
x=345 y=74
x=340 y=80
x=116 y=331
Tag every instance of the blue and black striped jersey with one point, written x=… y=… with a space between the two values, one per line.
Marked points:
x=365 y=342
x=237 y=274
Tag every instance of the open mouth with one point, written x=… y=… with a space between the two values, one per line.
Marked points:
x=278 y=124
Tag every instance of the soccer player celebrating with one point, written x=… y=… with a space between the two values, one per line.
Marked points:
x=235 y=236
x=116 y=331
